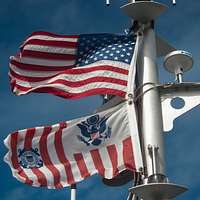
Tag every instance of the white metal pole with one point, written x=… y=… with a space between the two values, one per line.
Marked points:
x=150 y=104
x=73 y=192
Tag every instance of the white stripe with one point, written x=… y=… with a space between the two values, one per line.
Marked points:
x=106 y=162
x=51 y=38
x=35 y=144
x=44 y=62
x=21 y=139
x=50 y=49
x=89 y=163
x=77 y=90
x=103 y=72
x=49 y=177
x=54 y=159
x=120 y=160
x=33 y=73
x=112 y=63
x=71 y=78
x=69 y=152
x=74 y=167
x=53 y=63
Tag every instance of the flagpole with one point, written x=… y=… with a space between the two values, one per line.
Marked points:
x=155 y=184
x=149 y=102
x=73 y=192
x=150 y=105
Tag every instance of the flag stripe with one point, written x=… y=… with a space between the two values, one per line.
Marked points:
x=15 y=161
x=46 y=158
x=62 y=157
x=40 y=176
x=43 y=62
x=81 y=165
x=128 y=154
x=49 y=56
x=103 y=152
x=49 y=49
x=43 y=33
x=66 y=80
x=112 y=151
x=75 y=71
x=28 y=138
x=98 y=161
x=50 y=37
x=52 y=43
x=62 y=93
x=59 y=63
x=22 y=81
x=32 y=67
x=27 y=146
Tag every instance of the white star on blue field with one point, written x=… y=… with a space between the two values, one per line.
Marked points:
x=97 y=47
x=180 y=25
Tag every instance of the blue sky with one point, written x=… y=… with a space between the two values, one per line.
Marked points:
x=180 y=25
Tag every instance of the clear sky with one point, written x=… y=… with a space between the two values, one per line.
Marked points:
x=18 y=18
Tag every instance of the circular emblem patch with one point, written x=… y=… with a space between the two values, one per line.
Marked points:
x=30 y=158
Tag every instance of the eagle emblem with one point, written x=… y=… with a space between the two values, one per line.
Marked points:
x=94 y=130
x=30 y=158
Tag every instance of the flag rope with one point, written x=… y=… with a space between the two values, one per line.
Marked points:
x=132 y=68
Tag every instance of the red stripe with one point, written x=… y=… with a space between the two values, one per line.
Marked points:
x=52 y=34
x=61 y=155
x=30 y=79
x=81 y=70
x=70 y=72
x=112 y=152
x=98 y=68
x=81 y=165
x=67 y=82
x=28 y=138
x=128 y=156
x=97 y=79
x=14 y=159
x=67 y=95
x=46 y=158
x=97 y=161
x=52 y=43
x=28 y=145
x=39 y=68
x=40 y=176
x=45 y=55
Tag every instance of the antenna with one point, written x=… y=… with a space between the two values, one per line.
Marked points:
x=107 y=2
x=174 y=2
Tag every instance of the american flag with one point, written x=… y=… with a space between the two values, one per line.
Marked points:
x=72 y=66
x=63 y=154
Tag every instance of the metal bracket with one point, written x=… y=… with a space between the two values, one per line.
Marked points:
x=188 y=95
x=157 y=191
x=163 y=47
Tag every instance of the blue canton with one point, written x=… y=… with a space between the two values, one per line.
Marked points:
x=96 y=47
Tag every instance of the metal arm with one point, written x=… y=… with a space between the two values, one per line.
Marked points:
x=129 y=1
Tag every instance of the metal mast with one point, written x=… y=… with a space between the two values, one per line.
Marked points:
x=156 y=186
